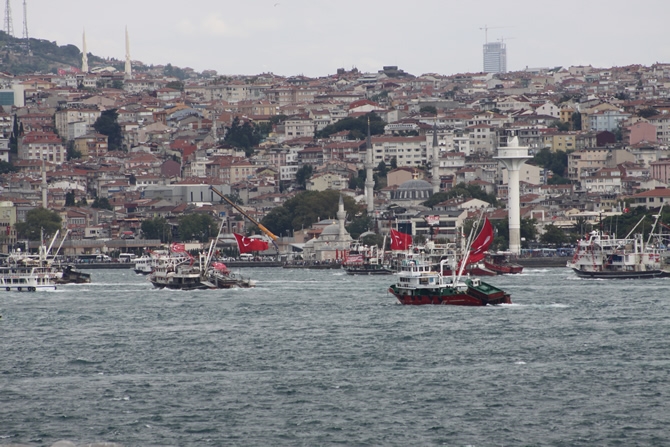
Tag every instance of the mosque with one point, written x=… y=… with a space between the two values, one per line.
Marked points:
x=333 y=241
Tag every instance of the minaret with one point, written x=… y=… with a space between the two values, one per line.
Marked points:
x=369 y=179
x=129 y=69
x=436 y=160
x=45 y=203
x=341 y=218
x=513 y=156
x=84 y=54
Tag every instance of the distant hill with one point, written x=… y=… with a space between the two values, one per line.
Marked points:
x=23 y=56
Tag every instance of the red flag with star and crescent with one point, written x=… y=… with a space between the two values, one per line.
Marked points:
x=247 y=244
x=400 y=241
x=481 y=243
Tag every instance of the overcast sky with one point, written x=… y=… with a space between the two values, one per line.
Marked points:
x=315 y=37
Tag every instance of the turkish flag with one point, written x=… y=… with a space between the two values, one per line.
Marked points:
x=400 y=241
x=481 y=243
x=178 y=248
x=247 y=244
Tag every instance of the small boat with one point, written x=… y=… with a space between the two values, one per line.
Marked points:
x=222 y=278
x=364 y=260
x=419 y=283
x=501 y=265
x=69 y=274
x=145 y=263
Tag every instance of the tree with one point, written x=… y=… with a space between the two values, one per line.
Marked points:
x=71 y=151
x=554 y=235
x=245 y=136
x=198 y=227
x=303 y=174
x=357 y=127
x=647 y=112
x=70 y=198
x=381 y=168
x=107 y=124
x=359 y=226
x=576 y=121
x=156 y=228
x=38 y=220
x=394 y=163
x=306 y=208
x=6 y=168
x=428 y=109
x=176 y=85
x=102 y=203
x=461 y=190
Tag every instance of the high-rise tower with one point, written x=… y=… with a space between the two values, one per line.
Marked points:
x=369 y=179
x=495 y=57
x=9 y=24
x=128 y=70
x=513 y=156
x=84 y=54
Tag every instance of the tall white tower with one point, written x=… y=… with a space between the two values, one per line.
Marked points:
x=341 y=218
x=9 y=23
x=369 y=179
x=84 y=54
x=129 y=69
x=513 y=156
x=436 y=161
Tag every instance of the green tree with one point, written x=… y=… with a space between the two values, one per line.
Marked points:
x=576 y=121
x=6 y=168
x=102 y=203
x=554 y=235
x=303 y=174
x=556 y=162
x=117 y=84
x=245 y=136
x=38 y=219
x=176 y=85
x=394 y=163
x=306 y=208
x=69 y=198
x=107 y=124
x=156 y=228
x=198 y=227
x=647 y=112
x=71 y=151
x=461 y=190
x=359 y=226
x=428 y=109
x=382 y=169
x=357 y=127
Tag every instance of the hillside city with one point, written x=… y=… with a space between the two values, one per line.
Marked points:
x=108 y=149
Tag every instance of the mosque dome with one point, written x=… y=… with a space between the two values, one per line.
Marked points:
x=331 y=230
x=413 y=190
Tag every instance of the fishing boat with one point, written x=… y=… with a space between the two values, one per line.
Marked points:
x=500 y=264
x=419 y=282
x=69 y=274
x=146 y=263
x=602 y=256
x=365 y=260
x=180 y=271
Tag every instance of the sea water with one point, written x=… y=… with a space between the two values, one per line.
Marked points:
x=320 y=358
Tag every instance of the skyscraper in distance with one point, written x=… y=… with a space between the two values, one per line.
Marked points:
x=495 y=57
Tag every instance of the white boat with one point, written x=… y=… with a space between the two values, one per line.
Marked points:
x=146 y=263
x=27 y=278
x=603 y=256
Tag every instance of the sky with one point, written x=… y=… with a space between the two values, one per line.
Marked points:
x=316 y=37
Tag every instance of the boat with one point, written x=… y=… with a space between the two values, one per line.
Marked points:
x=500 y=264
x=69 y=274
x=603 y=256
x=180 y=271
x=365 y=260
x=145 y=263
x=419 y=283
x=27 y=278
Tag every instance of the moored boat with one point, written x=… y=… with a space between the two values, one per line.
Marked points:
x=364 y=260
x=501 y=264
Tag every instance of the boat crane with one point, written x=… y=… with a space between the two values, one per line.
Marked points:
x=267 y=232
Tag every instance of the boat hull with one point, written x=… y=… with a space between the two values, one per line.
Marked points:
x=503 y=269
x=469 y=297
x=368 y=271
x=621 y=274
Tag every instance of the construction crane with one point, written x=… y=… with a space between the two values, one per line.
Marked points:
x=486 y=29
x=267 y=232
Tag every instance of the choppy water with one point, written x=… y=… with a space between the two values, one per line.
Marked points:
x=319 y=358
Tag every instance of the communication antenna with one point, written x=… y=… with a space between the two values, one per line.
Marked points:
x=9 y=24
x=25 y=20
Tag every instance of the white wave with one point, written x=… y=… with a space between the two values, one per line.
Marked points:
x=520 y=362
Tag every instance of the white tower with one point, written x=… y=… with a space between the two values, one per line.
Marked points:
x=25 y=20
x=341 y=219
x=45 y=202
x=369 y=179
x=129 y=69
x=84 y=54
x=436 y=160
x=513 y=156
